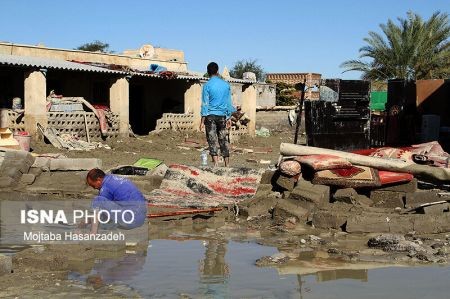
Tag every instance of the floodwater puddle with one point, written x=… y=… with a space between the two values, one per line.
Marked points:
x=218 y=268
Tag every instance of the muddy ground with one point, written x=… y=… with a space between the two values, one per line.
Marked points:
x=42 y=271
x=171 y=147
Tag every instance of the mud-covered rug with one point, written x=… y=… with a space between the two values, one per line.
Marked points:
x=354 y=177
x=188 y=186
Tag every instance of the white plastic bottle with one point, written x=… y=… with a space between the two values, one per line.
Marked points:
x=204 y=158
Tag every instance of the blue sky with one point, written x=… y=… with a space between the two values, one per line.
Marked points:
x=284 y=36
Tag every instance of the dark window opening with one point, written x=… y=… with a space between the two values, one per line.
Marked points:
x=100 y=93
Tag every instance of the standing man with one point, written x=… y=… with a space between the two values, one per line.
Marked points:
x=216 y=112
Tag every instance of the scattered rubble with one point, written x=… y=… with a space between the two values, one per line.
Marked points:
x=5 y=264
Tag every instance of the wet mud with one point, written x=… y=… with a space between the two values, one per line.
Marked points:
x=276 y=232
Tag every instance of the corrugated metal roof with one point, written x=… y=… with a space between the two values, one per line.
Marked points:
x=40 y=62
x=193 y=77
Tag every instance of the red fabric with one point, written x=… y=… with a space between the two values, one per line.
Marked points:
x=432 y=150
x=389 y=177
x=102 y=107
x=347 y=172
x=102 y=120
x=365 y=152
x=393 y=153
x=354 y=177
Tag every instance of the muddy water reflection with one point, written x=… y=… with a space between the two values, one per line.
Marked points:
x=217 y=268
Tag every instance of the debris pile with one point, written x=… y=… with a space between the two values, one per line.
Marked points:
x=385 y=190
x=47 y=174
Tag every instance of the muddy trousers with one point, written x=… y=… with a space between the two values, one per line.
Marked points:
x=216 y=133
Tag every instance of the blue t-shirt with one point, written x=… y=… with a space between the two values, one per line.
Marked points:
x=216 y=98
x=123 y=193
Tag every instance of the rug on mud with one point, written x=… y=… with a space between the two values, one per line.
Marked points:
x=188 y=186
x=356 y=176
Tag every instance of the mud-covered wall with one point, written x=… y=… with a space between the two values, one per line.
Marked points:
x=274 y=120
x=265 y=95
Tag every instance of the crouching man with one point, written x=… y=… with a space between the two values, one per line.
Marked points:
x=118 y=196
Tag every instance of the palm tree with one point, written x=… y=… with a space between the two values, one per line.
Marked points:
x=414 y=49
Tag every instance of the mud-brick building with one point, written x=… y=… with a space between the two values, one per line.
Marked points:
x=138 y=98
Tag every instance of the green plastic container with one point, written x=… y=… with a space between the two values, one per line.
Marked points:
x=378 y=100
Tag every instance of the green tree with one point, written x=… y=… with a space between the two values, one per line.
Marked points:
x=249 y=65
x=412 y=49
x=285 y=94
x=95 y=46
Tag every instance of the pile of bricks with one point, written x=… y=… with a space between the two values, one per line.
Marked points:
x=50 y=174
x=14 y=167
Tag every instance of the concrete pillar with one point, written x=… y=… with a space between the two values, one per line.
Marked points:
x=249 y=106
x=193 y=102
x=236 y=94
x=119 y=102
x=35 y=101
x=309 y=85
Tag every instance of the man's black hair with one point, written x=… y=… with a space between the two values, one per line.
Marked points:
x=95 y=174
x=212 y=68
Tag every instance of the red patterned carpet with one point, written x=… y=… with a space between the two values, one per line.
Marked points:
x=188 y=186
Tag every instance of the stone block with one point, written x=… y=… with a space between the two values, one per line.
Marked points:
x=6 y=181
x=310 y=194
x=160 y=171
x=267 y=177
x=364 y=200
x=287 y=208
x=347 y=195
x=5 y=264
x=257 y=206
x=35 y=171
x=20 y=155
x=21 y=165
x=285 y=183
x=387 y=199
x=17 y=160
x=11 y=172
x=329 y=219
x=380 y=223
x=436 y=209
x=404 y=187
x=418 y=198
x=441 y=223
x=27 y=179
x=42 y=163
x=431 y=224
x=75 y=164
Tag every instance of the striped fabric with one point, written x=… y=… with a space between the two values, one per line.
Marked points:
x=188 y=186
